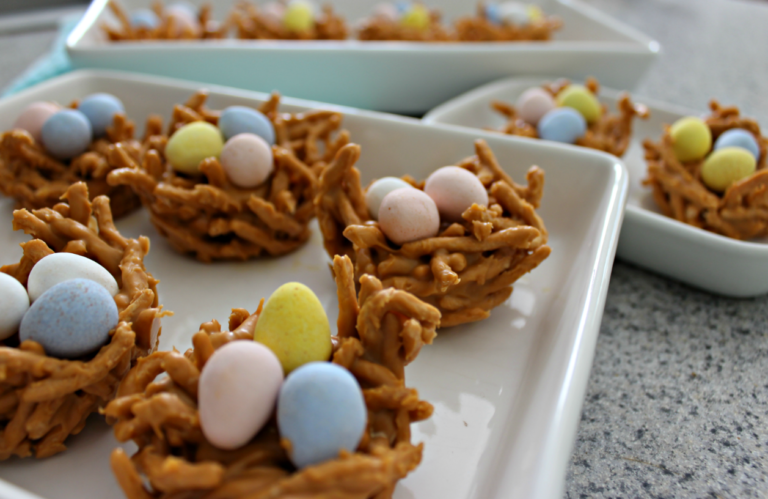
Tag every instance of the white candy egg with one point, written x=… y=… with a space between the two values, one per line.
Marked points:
x=14 y=303
x=60 y=267
x=379 y=189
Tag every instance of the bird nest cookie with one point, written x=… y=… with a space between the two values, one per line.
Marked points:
x=418 y=24
x=275 y=22
x=379 y=332
x=44 y=399
x=740 y=211
x=608 y=132
x=469 y=268
x=486 y=26
x=160 y=23
x=209 y=217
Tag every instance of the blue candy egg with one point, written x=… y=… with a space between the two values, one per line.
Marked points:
x=235 y=120
x=403 y=7
x=563 y=124
x=738 y=137
x=66 y=134
x=144 y=18
x=320 y=410
x=100 y=110
x=71 y=319
x=492 y=13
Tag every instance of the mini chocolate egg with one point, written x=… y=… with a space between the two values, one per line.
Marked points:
x=71 y=319
x=191 y=144
x=66 y=134
x=492 y=13
x=184 y=17
x=416 y=17
x=380 y=188
x=294 y=326
x=299 y=16
x=14 y=303
x=726 y=166
x=535 y=14
x=407 y=215
x=144 y=18
x=34 y=116
x=386 y=11
x=100 y=109
x=320 y=411
x=247 y=160
x=563 y=124
x=514 y=13
x=235 y=120
x=237 y=392
x=60 y=267
x=738 y=137
x=453 y=190
x=581 y=99
x=272 y=12
x=691 y=138
x=533 y=104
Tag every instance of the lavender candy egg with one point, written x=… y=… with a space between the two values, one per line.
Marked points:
x=453 y=190
x=235 y=120
x=144 y=18
x=66 y=134
x=533 y=104
x=34 y=116
x=14 y=303
x=738 y=137
x=71 y=319
x=247 y=160
x=407 y=215
x=100 y=109
x=563 y=124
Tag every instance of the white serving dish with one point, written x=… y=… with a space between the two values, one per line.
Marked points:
x=389 y=76
x=507 y=391
x=648 y=238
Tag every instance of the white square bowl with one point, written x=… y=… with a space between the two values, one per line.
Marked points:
x=648 y=238
x=390 y=76
x=507 y=391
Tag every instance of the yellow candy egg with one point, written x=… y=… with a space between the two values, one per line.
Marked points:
x=691 y=138
x=416 y=17
x=299 y=16
x=191 y=144
x=294 y=326
x=535 y=13
x=582 y=100
x=726 y=166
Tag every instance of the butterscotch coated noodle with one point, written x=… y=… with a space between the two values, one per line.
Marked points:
x=380 y=331
x=479 y=28
x=168 y=28
x=377 y=28
x=210 y=218
x=43 y=400
x=465 y=271
x=251 y=23
x=741 y=212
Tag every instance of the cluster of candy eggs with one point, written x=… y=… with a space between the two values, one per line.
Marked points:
x=563 y=118
x=733 y=157
x=68 y=306
x=406 y=214
x=297 y=15
x=242 y=142
x=406 y=14
x=514 y=13
x=67 y=133
x=184 y=18
x=320 y=406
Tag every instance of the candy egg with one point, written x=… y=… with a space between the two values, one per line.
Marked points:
x=726 y=166
x=581 y=99
x=320 y=411
x=235 y=120
x=379 y=189
x=299 y=16
x=738 y=137
x=100 y=109
x=535 y=14
x=492 y=13
x=417 y=17
x=247 y=160
x=533 y=104
x=453 y=190
x=563 y=124
x=273 y=12
x=407 y=215
x=14 y=303
x=34 y=116
x=294 y=326
x=144 y=18
x=66 y=134
x=71 y=319
x=691 y=138
x=191 y=144
x=386 y=11
x=514 y=13
x=60 y=267
x=237 y=392
x=184 y=16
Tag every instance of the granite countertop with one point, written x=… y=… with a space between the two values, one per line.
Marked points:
x=677 y=403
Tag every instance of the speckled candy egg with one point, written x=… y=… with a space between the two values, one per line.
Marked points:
x=235 y=120
x=533 y=104
x=738 y=137
x=563 y=124
x=34 y=116
x=416 y=17
x=14 y=303
x=294 y=326
x=299 y=16
x=726 y=166
x=66 y=134
x=237 y=392
x=691 y=138
x=581 y=99
x=60 y=267
x=407 y=215
x=379 y=189
x=320 y=411
x=453 y=190
x=191 y=144
x=100 y=109
x=71 y=319
x=247 y=160
x=144 y=18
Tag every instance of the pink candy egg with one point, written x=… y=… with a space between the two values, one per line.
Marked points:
x=247 y=160
x=273 y=12
x=407 y=215
x=533 y=104
x=33 y=116
x=454 y=190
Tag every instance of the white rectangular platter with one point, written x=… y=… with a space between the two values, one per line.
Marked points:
x=399 y=77
x=507 y=391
